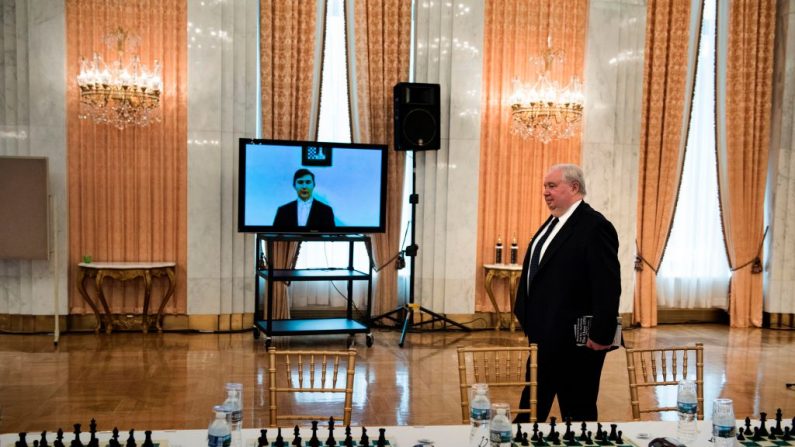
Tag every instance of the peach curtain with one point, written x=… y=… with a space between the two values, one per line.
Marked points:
x=662 y=144
x=743 y=150
x=287 y=58
x=512 y=169
x=128 y=188
x=382 y=38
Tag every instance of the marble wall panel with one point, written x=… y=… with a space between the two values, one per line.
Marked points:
x=222 y=95
x=780 y=262
x=33 y=123
x=613 y=86
x=448 y=51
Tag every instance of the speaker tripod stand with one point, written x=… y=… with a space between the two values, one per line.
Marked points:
x=408 y=310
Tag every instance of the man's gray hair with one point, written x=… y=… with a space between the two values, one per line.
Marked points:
x=571 y=174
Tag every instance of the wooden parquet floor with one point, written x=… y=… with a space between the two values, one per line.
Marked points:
x=172 y=380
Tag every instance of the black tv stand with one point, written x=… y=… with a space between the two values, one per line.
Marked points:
x=267 y=275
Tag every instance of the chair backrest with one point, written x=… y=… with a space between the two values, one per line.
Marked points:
x=503 y=369
x=321 y=373
x=664 y=367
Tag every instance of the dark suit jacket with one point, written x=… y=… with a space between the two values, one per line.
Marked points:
x=578 y=275
x=321 y=217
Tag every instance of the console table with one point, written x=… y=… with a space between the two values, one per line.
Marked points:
x=124 y=271
x=512 y=273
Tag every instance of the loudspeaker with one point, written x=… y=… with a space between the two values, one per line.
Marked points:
x=416 y=116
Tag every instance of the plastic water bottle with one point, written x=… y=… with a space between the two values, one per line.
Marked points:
x=479 y=414
x=724 y=428
x=500 y=428
x=687 y=406
x=234 y=402
x=218 y=434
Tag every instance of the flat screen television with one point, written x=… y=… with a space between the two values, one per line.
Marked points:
x=311 y=187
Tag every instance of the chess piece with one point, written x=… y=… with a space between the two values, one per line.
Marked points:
x=620 y=440
x=22 y=442
x=524 y=439
x=279 y=439
x=762 y=421
x=297 y=437
x=589 y=439
x=583 y=435
x=568 y=435
x=535 y=432
x=92 y=430
x=330 y=441
x=364 y=441
x=43 y=441
x=518 y=437
x=114 y=440
x=348 y=439
x=787 y=434
x=777 y=429
x=76 y=442
x=599 y=431
x=314 y=441
x=131 y=439
x=741 y=434
x=381 y=437
x=148 y=439
x=58 y=439
x=613 y=435
x=35 y=443
x=757 y=434
x=262 y=441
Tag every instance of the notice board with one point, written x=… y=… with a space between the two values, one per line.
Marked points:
x=23 y=208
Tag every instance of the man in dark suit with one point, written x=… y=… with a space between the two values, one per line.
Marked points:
x=570 y=270
x=305 y=213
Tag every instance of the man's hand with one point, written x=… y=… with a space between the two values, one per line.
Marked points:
x=596 y=346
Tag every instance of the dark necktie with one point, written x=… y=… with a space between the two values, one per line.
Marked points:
x=536 y=257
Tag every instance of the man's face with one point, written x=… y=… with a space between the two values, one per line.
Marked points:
x=304 y=187
x=559 y=194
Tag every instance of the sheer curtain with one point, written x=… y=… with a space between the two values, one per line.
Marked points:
x=334 y=125
x=694 y=271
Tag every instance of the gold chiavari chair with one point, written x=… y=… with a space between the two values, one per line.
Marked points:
x=648 y=368
x=320 y=379
x=503 y=369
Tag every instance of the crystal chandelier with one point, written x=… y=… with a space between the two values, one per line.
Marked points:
x=545 y=110
x=117 y=94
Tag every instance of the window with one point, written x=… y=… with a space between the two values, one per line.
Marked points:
x=695 y=271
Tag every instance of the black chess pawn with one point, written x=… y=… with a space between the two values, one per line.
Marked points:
x=130 y=439
x=589 y=439
x=757 y=434
x=114 y=440
x=76 y=442
x=381 y=438
x=787 y=434
x=348 y=442
x=296 y=437
x=148 y=439
x=279 y=439
x=43 y=441
x=22 y=442
x=620 y=440
x=35 y=443
x=364 y=441
x=58 y=439
x=741 y=434
x=262 y=441
x=762 y=421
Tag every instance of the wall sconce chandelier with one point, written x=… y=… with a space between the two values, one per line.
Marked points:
x=547 y=111
x=117 y=94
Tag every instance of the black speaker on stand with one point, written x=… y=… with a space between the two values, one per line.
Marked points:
x=416 y=129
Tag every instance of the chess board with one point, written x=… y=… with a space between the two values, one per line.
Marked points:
x=577 y=443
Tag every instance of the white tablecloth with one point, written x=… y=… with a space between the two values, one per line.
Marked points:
x=639 y=433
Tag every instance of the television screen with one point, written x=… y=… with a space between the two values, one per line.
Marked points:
x=311 y=187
